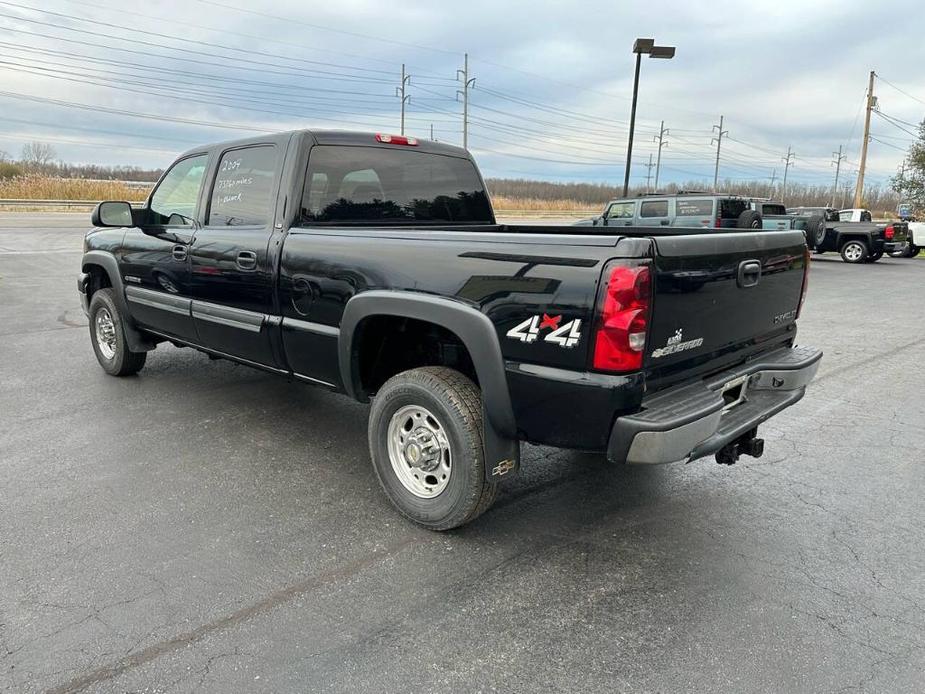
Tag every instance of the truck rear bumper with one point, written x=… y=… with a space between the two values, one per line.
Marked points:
x=696 y=420
x=894 y=246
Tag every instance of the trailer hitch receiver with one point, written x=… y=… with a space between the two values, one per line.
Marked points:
x=747 y=444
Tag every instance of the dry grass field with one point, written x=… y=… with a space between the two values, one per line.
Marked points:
x=47 y=188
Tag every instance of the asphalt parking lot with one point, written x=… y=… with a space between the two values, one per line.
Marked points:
x=207 y=527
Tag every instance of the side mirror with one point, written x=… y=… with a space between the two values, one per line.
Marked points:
x=112 y=214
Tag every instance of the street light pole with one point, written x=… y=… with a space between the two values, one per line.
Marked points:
x=629 y=146
x=648 y=47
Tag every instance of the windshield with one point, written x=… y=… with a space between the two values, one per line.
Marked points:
x=375 y=185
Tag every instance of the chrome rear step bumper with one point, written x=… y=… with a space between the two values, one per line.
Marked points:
x=695 y=420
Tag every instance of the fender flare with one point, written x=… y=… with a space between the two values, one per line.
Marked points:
x=107 y=261
x=502 y=449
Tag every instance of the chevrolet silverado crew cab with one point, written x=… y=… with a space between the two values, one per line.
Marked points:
x=372 y=265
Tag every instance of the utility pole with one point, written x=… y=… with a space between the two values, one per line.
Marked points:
x=468 y=83
x=719 y=142
x=838 y=159
x=660 y=139
x=871 y=102
x=649 y=172
x=771 y=187
x=432 y=133
x=400 y=92
x=788 y=159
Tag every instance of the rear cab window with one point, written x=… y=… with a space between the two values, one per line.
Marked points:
x=242 y=194
x=773 y=209
x=376 y=185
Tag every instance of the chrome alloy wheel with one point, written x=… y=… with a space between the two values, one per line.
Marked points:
x=854 y=251
x=419 y=451
x=105 y=333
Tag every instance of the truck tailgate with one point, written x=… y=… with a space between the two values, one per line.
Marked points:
x=719 y=293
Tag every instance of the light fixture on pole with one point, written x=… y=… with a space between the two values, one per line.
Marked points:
x=640 y=47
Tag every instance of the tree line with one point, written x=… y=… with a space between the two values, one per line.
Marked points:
x=797 y=194
x=40 y=159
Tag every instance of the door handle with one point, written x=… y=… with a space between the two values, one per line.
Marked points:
x=179 y=252
x=247 y=260
x=665 y=222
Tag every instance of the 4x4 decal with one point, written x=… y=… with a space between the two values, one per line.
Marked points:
x=567 y=335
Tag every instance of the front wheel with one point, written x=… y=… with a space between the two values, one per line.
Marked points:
x=108 y=337
x=854 y=252
x=425 y=440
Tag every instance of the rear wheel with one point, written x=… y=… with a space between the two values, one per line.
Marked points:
x=853 y=251
x=425 y=440
x=108 y=337
x=749 y=219
x=874 y=257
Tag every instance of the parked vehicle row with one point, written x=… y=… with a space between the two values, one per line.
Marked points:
x=372 y=265
x=851 y=233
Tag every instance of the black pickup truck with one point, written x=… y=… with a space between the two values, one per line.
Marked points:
x=856 y=241
x=372 y=265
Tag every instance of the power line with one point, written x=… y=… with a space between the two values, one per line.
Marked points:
x=901 y=91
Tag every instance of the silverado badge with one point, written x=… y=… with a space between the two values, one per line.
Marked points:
x=676 y=344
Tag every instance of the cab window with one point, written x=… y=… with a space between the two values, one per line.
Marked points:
x=621 y=210
x=173 y=202
x=243 y=188
x=653 y=208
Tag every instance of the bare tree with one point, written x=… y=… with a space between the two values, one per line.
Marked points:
x=36 y=156
x=4 y=156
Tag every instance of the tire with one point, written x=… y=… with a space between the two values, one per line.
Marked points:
x=433 y=412
x=913 y=250
x=815 y=231
x=108 y=337
x=749 y=219
x=874 y=257
x=853 y=251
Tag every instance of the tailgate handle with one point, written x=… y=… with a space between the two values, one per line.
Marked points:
x=749 y=273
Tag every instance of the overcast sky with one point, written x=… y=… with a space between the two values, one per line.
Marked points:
x=553 y=80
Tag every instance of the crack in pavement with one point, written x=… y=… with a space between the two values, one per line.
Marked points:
x=175 y=643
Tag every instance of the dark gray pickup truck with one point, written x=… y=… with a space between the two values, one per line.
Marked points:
x=372 y=265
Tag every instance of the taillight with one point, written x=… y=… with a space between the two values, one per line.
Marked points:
x=805 y=281
x=396 y=140
x=624 y=307
x=719 y=222
x=889 y=232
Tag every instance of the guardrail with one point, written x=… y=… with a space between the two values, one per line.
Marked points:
x=25 y=202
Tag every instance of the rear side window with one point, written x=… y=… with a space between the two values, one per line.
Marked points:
x=375 y=185
x=654 y=208
x=241 y=195
x=732 y=209
x=772 y=209
x=694 y=208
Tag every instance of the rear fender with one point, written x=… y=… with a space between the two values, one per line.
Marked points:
x=475 y=330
